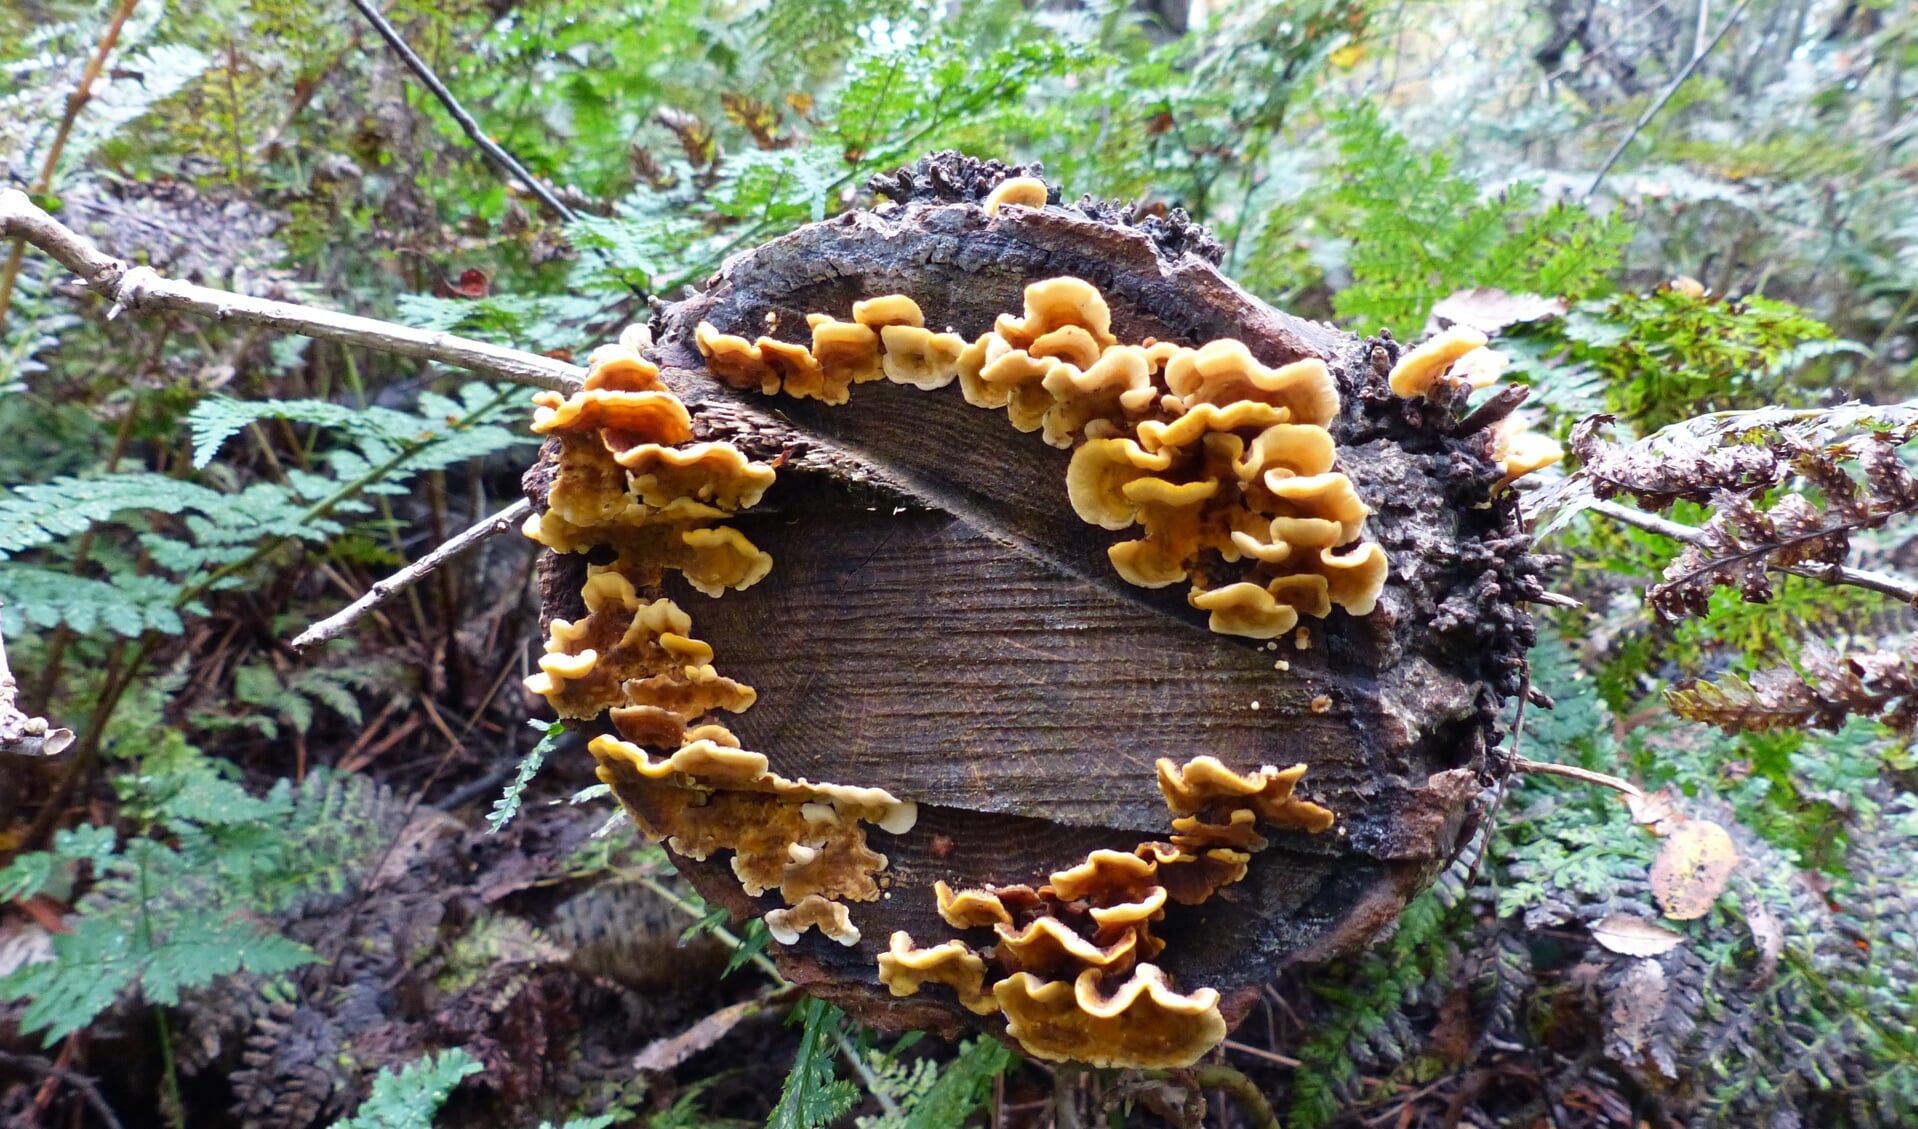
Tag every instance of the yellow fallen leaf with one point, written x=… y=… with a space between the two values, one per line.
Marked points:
x=1348 y=56
x=1692 y=868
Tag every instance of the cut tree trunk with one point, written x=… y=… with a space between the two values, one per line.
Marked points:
x=940 y=624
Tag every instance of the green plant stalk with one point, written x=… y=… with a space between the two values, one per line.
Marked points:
x=170 y=1104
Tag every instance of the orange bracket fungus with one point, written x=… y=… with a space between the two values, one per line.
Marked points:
x=918 y=581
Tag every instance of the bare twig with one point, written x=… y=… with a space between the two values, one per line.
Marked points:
x=1572 y=772
x=21 y=735
x=495 y=152
x=333 y=626
x=76 y=101
x=1260 y=1052
x=144 y=291
x=1895 y=586
x=1655 y=108
x=83 y=1085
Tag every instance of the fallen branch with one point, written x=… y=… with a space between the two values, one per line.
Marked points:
x=82 y=1085
x=144 y=291
x=1572 y=772
x=336 y=624
x=1895 y=586
x=495 y=152
x=20 y=735
x=1653 y=110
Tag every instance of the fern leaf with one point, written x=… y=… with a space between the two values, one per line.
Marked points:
x=812 y=1096
x=409 y=1099
x=126 y=605
x=507 y=806
x=37 y=513
x=962 y=1087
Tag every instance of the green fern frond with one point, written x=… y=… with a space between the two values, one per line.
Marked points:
x=813 y=1096
x=409 y=1099
x=1420 y=232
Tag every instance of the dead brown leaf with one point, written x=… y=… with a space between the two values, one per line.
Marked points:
x=1656 y=811
x=664 y=1054
x=1634 y=936
x=1637 y=1006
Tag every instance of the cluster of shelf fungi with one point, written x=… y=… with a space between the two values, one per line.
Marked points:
x=1077 y=728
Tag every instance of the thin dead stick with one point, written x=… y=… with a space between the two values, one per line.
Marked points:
x=333 y=626
x=1260 y=1052
x=82 y=1085
x=1895 y=586
x=1571 y=772
x=144 y=291
x=21 y=735
x=76 y=101
x=495 y=152
x=1655 y=108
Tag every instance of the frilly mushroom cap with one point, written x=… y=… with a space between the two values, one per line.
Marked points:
x=1143 y=1023
x=1225 y=372
x=1246 y=610
x=1206 y=782
x=1016 y=378
x=800 y=839
x=1024 y=191
x=1355 y=577
x=1480 y=368
x=920 y=357
x=905 y=969
x=1118 y=382
x=722 y=558
x=1203 y=418
x=1327 y=496
x=1051 y=949
x=620 y=368
x=1289 y=448
x=588 y=492
x=1191 y=879
x=657 y=416
x=1055 y=303
x=813 y=911
x=893 y=309
x=1200 y=832
x=1105 y=876
x=1418 y=370
x=1519 y=451
x=800 y=375
x=970 y=909
x=1069 y=343
x=589 y=664
x=848 y=354
x=735 y=360
x=717 y=474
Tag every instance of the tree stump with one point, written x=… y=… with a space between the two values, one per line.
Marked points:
x=940 y=624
